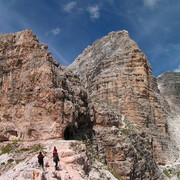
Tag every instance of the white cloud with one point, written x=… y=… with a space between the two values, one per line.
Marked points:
x=55 y=31
x=178 y=69
x=68 y=7
x=94 y=12
x=150 y=3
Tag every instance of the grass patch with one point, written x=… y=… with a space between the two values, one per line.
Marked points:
x=10 y=160
x=172 y=172
x=36 y=148
x=11 y=147
x=3 y=163
x=23 y=150
x=16 y=141
x=7 y=149
x=178 y=174
x=126 y=131
x=167 y=172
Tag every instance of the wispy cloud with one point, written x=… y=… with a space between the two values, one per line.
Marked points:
x=150 y=3
x=58 y=56
x=178 y=69
x=94 y=12
x=68 y=7
x=56 y=31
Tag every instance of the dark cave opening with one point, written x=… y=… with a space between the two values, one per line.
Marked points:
x=78 y=133
x=69 y=133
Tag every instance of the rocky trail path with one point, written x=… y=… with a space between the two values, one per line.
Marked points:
x=68 y=159
x=73 y=165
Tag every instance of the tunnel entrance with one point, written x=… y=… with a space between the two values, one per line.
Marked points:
x=77 y=133
x=69 y=133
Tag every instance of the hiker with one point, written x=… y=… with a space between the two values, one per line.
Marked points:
x=54 y=151
x=41 y=159
x=56 y=159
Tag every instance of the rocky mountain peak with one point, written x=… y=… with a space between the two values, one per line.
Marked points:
x=116 y=72
x=39 y=98
x=19 y=37
x=120 y=83
x=107 y=97
x=113 y=45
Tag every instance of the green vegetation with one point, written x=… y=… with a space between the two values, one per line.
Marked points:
x=172 y=172
x=35 y=149
x=7 y=149
x=10 y=147
x=126 y=131
x=178 y=174
x=167 y=172
x=16 y=141
x=10 y=160
x=13 y=147
x=3 y=163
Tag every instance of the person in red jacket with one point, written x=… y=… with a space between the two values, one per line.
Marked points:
x=41 y=159
x=54 y=151
x=55 y=158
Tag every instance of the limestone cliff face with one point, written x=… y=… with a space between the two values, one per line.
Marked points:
x=39 y=98
x=169 y=85
x=131 y=115
x=117 y=73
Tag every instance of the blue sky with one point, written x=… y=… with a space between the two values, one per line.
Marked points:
x=69 y=26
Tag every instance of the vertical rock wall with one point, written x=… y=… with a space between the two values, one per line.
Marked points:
x=39 y=98
x=131 y=115
x=169 y=85
x=116 y=72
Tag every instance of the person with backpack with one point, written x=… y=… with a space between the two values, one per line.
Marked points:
x=54 y=151
x=41 y=159
x=56 y=160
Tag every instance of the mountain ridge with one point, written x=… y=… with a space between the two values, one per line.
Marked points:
x=108 y=99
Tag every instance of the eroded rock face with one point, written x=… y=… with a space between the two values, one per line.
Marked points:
x=124 y=92
x=169 y=85
x=39 y=98
x=42 y=100
x=116 y=72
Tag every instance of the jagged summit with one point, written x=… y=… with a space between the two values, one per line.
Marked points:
x=119 y=78
x=114 y=44
x=39 y=98
x=19 y=37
